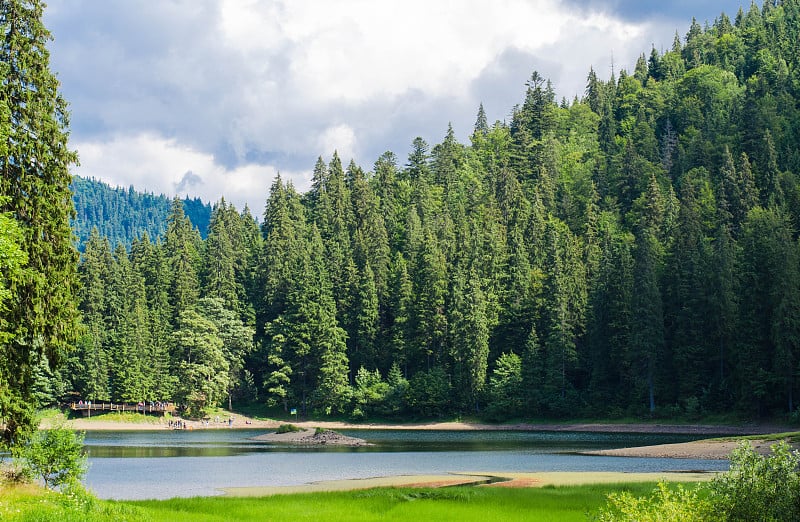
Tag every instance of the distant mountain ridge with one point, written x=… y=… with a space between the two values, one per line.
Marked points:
x=123 y=214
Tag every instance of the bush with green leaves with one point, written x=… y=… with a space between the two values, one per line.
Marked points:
x=55 y=456
x=429 y=393
x=756 y=488
x=288 y=428
x=664 y=505
x=759 y=488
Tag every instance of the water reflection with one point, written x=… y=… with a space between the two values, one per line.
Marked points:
x=224 y=443
x=165 y=464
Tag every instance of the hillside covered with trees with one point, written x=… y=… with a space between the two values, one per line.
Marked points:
x=122 y=215
x=631 y=252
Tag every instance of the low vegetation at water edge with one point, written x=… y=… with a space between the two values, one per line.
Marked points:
x=572 y=503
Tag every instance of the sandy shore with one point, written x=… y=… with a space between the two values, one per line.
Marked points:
x=480 y=479
x=106 y=423
x=701 y=449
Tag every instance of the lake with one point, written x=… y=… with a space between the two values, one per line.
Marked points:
x=165 y=464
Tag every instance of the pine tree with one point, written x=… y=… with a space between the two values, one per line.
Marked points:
x=609 y=318
x=565 y=291
x=181 y=250
x=34 y=188
x=647 y=330
x=147 y=259
x=428 y=320
x=93 y=372
x=396 y=321
x=130 y=345
x=470 y=335
x=220 y=259
x=329 y=339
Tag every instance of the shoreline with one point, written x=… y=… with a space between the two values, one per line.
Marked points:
x=243 y=422
x=699 y=449
x=476 y=479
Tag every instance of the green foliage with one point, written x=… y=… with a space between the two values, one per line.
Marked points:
x=569 y=504
x=759 y=488
x=665 y=504
x=429 y=393
x=42 y=318
x=369 y=393
x=755 y=488
x=505 y=397
x=123 y=215
x=288 y=428
x=55 y=456
x=632 y=252
x=12 y=261
x=203 y=370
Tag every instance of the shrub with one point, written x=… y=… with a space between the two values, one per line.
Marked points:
x=664 y=505
x=56 y=456
x=288 y=428
x=759 y=488
x=756 y=488
x=428 y=394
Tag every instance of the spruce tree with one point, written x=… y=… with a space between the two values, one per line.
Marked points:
x=34 y=188
x=92 y=377
x=181 y=248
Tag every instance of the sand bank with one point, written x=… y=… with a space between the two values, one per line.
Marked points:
x=107 y=423
x=307 y=437
x=701 y=449
x=504 y=479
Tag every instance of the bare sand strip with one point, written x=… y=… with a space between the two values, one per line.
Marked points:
x=307 y=437
x=107 y=423
x=398 y=481
x=579 y=478
x=502 y=479
x=701 y=449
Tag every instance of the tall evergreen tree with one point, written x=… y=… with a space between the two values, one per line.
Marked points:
x=647 y=330
x=181 y=248
x=93 y=358
x=34 y=188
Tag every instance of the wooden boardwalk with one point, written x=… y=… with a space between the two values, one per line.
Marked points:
x=87 y=408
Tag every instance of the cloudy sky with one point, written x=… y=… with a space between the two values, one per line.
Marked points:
x=212 y=98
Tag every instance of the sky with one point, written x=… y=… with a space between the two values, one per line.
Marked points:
x=213 y=98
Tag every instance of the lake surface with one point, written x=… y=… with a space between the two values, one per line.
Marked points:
x=165 y=464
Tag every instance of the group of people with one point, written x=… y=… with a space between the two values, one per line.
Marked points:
x=157 y=405
x=177 y=424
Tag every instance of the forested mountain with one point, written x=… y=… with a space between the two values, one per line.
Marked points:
x=122 y=215
x=631 y=252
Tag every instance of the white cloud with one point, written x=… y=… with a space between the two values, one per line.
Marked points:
x=340 y=138
x=351 y=50
x=162 y=166
x=243 y=88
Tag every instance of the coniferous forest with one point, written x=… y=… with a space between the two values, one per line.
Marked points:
x=632 y=252
x=122 y=215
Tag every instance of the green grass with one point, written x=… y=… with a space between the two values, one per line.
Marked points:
x=793 y=437
x=126 y=417
x=288 y=428
x=463 y=504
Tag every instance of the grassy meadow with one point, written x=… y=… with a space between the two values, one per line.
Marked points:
x=463 y=504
